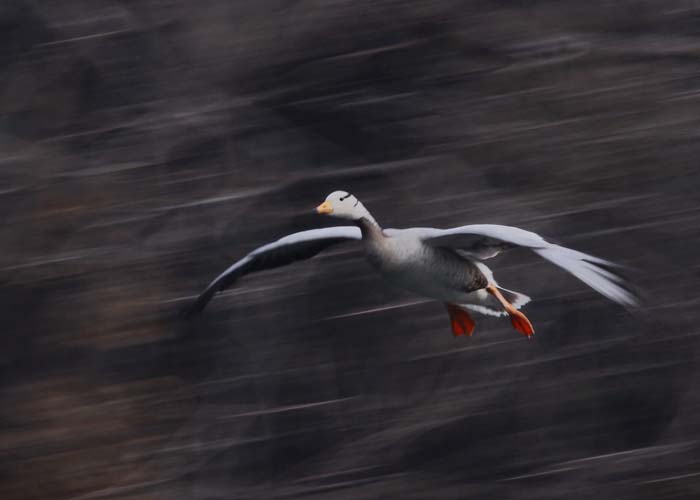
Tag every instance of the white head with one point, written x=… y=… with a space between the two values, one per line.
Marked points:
x=343 y=205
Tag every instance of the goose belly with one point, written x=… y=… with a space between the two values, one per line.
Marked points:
x=437 y=273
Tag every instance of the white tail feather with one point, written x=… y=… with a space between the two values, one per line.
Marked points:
x=486 y=304
x=517 y=299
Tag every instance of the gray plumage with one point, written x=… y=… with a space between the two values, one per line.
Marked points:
x=291 y=248
x=443 y=264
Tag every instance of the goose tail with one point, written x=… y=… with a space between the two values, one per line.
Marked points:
x=485 y=304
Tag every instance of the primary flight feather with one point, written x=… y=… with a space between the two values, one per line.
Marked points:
x=442 y=264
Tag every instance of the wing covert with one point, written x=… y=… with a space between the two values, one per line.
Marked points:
x=291 y=248
x=483 y=241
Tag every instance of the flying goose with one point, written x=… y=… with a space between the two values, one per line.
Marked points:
x=442 y=264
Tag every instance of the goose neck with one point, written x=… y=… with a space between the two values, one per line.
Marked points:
x=369 y=227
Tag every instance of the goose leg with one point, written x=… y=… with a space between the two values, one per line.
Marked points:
x=460 y=321
x=518 y=319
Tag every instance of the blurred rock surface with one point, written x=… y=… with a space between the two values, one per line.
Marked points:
x=145 y=145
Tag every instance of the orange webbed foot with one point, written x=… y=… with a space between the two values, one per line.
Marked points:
x=521 y=323
x=460 y=321
x=518 y=319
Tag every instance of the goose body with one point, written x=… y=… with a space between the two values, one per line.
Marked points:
x=442 y=264
x=435 y=272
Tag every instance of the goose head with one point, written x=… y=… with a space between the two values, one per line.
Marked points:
x=343 y=205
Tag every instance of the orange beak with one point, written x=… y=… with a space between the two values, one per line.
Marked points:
x=324 y=208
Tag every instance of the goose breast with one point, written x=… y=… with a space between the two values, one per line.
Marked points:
x=435 y=272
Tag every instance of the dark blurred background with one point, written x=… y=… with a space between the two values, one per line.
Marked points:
x=145 y=145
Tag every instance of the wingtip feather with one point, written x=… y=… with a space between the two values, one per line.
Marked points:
x=596 y=273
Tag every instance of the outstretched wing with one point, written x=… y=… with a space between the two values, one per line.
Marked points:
x=291 y=248
x=483 y=241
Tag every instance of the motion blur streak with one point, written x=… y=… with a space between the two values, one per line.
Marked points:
x=144 y=146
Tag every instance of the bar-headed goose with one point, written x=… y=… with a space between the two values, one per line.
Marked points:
x=442 y=264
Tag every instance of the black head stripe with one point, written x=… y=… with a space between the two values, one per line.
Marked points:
x=343 y=198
